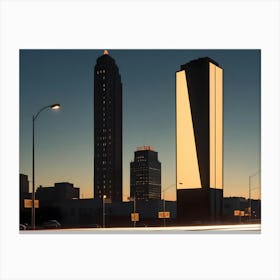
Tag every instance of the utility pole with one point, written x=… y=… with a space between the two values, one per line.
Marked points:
x=134 y=209
x=250 y=200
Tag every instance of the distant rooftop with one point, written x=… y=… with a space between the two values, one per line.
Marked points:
x=145 y=148
x=199 y=61
x=105 y=58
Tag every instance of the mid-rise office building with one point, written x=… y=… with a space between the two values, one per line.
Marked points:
x=145 y=174
x=199 y=139
x=107 y=129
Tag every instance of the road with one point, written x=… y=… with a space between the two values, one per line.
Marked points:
x=242 y=228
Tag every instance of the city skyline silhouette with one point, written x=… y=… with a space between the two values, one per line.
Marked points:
x=64 y=150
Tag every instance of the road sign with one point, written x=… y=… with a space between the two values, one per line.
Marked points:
x=28 y=203
x=135 y=217
x=164 y=215
x=236 y=212
x=239 y=213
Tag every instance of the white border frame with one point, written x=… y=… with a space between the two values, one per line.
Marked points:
x=139 y=24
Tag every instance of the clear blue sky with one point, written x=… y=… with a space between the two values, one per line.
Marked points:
x=64 y=139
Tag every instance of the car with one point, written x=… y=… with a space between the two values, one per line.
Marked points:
x=95 y=226
x=141 y=225
x=51 y=224
x=22 y=227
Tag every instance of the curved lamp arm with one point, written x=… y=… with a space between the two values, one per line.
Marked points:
x=53 y=106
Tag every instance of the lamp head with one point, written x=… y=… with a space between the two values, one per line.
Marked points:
x=55 y=106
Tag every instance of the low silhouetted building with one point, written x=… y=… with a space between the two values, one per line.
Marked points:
x=24 y=213
x=203 y=205
x=51 y=199
x=60 y=192
x=23 y=183
x=89 y=212
x=238 y=209
x=23 y=189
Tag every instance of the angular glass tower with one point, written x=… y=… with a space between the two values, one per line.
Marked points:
x=107 y=129
x=199 y=125
x=145 y=174
x=199 y=141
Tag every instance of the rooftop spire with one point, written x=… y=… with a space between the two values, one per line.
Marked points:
x=105 y=52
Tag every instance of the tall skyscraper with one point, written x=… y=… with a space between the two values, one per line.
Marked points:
x=199 y=132
x=145 y=174
x=107 y=129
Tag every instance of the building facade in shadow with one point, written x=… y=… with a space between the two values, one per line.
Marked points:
x=145 y=174
x=107 y=129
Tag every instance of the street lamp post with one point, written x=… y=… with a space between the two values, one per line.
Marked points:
x=163 y=210
x=103 y=203
x=250 y=200
x=134 y=210
x=34 y=117
x=163 y=199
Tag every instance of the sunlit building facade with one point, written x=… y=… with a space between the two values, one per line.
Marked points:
x=199 y=132
x=107 y=129
x=145 y=174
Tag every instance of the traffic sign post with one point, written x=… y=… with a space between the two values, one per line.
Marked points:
x=135 y=218
x=239 y=213
x=164 y=215
x=28 y=203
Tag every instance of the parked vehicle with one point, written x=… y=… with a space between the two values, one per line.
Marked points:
x=51 y=224
x=95 y=226
x=22 y=227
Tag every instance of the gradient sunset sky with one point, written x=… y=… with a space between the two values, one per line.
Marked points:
x=64 y=139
